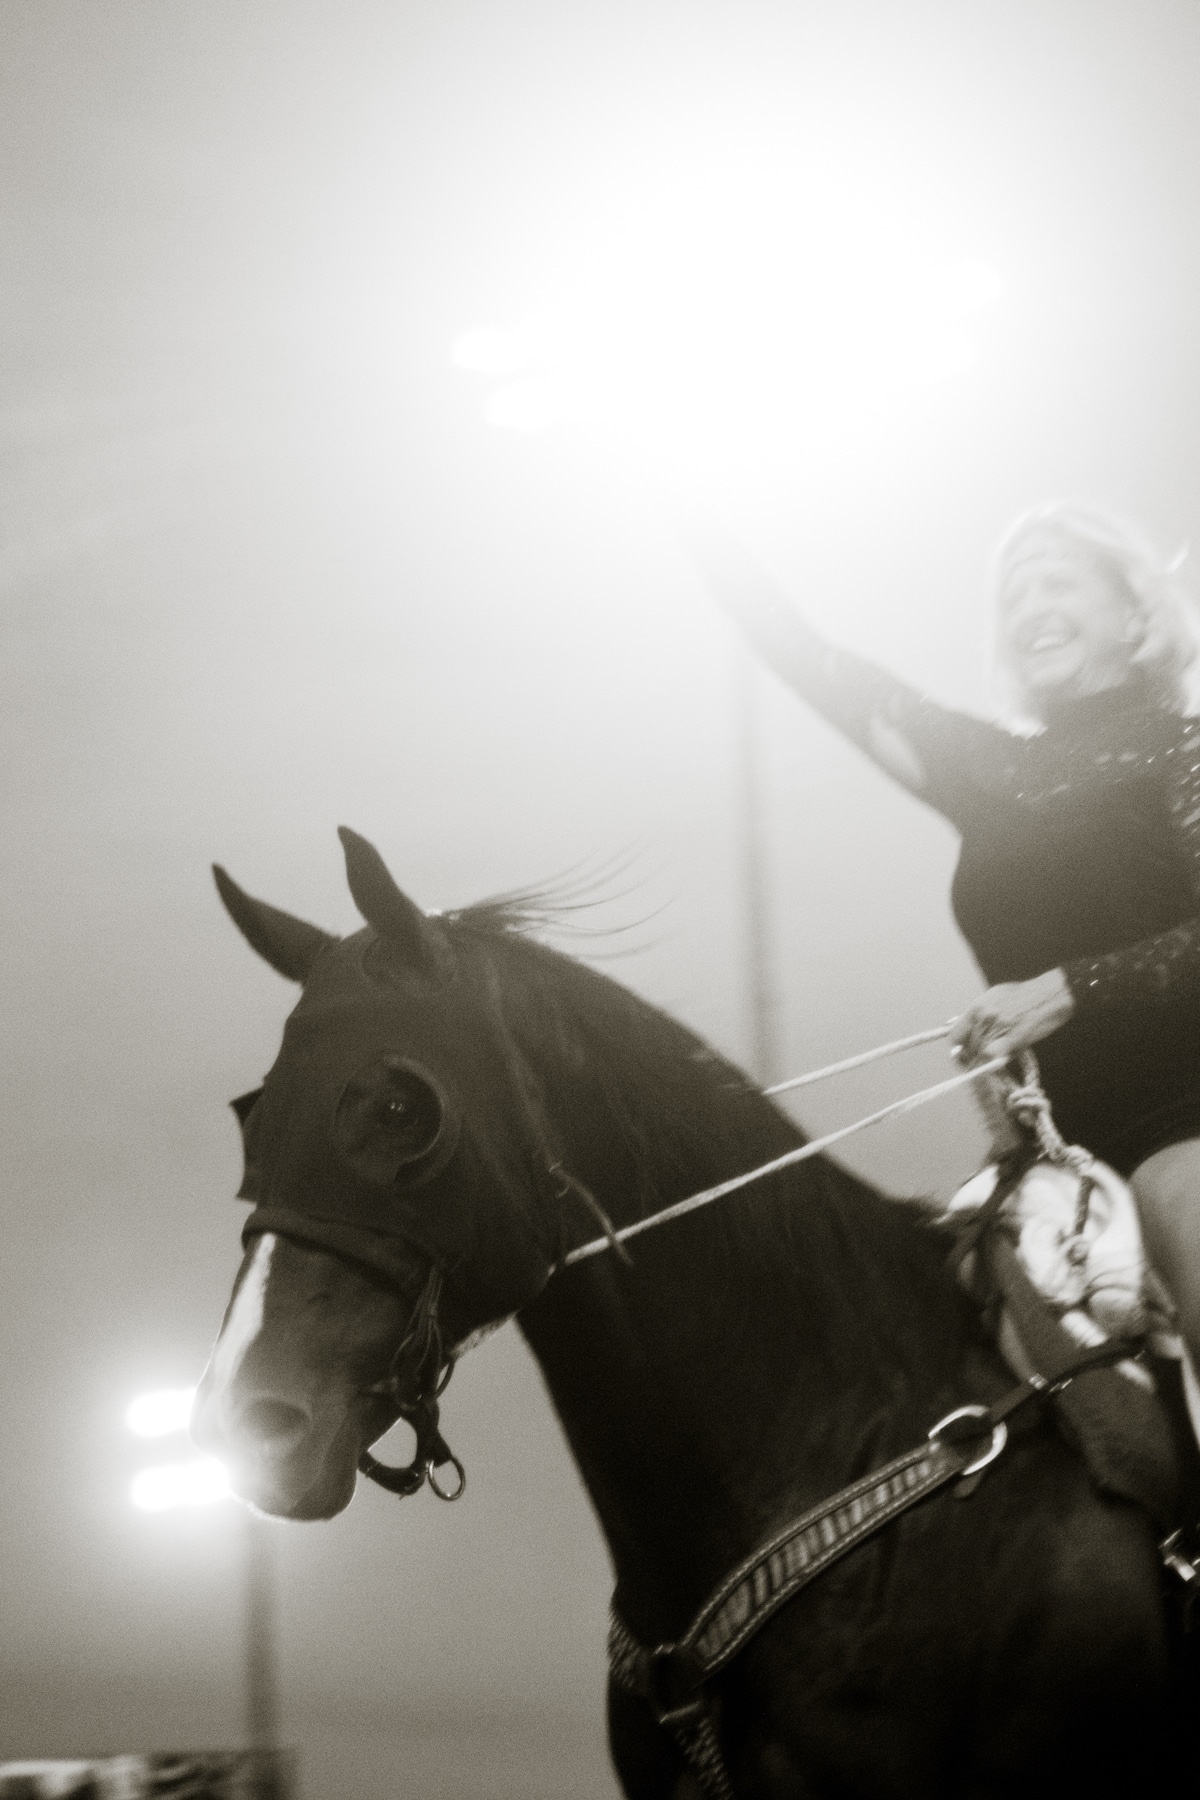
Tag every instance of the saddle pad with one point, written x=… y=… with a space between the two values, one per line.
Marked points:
x=1119 y=1426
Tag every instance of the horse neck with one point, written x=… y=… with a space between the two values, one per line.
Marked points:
x=749 y=1357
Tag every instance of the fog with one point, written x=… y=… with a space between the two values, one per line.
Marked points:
x=267 y=567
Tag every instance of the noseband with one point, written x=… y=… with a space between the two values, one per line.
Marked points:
x=420 y=1368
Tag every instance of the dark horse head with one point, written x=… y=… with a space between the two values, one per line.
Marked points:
x=455 y=1105
x=398 y=1176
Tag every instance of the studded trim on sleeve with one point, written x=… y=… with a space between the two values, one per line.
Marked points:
x=1166 y=965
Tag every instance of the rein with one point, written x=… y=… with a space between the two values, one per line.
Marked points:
x=803 y=1152
x=860 y=1061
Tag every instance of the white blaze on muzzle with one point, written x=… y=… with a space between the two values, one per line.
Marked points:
x=245 y=1318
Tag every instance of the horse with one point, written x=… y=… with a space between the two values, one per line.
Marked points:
x=454 y=1106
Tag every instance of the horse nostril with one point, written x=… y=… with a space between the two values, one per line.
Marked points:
x=276 y=1423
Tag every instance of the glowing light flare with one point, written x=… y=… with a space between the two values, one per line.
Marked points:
x=967 y=286
x=739 y=289
x=532 y=405
x=850 y=328
x=489 y=350
x=160 y=1413
x=199 y=1482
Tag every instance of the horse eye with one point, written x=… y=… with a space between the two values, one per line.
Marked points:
x=411 y=1114
x=389 y=1120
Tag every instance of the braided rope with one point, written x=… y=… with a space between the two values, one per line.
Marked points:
x=1030 y=1106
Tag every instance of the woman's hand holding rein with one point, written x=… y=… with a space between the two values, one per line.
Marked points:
x=1012 y=1016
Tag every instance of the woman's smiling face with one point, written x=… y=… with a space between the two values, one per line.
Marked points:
x=1067 y=626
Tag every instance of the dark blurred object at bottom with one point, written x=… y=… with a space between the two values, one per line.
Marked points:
x=202 y=1775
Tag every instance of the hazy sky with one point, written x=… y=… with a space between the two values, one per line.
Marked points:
x=265 y=568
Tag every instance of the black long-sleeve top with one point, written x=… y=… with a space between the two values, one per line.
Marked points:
x=1080 y=850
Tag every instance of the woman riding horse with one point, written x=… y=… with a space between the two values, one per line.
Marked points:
x=1078 y=880
x=454 y=1107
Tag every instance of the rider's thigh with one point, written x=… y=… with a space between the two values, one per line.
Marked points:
x=1167 y=1189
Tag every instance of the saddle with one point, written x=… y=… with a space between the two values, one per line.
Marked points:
x=1049 y=1244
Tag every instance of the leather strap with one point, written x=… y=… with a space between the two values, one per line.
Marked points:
x=768 y=1579
x=671 y=1677
x=386 y=1253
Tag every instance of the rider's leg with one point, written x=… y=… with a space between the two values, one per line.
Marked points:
x=1167 y=1189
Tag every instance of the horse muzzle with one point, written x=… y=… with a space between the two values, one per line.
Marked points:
x=286 y=1456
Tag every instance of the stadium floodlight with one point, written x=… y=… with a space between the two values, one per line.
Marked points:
x=167 y=1485
x=160 y=1413
x=198 y=1481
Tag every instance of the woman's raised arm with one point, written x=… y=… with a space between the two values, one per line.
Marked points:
x=781 y=635
x=930 y=749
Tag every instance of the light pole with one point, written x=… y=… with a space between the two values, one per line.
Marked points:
x=259 y=1634
x=199 y=1481
x=751 y=823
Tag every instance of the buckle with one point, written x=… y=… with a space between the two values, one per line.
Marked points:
x=673 y=1691
x=999 y=1437
x=1184 y=1567
x=1180 y=1558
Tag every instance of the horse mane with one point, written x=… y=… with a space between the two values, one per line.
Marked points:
x=864 y=1251
x=559 y=904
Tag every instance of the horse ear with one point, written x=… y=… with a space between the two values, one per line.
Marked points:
x=398 y=920
x=289 y=945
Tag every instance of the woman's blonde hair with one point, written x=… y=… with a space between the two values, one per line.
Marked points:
x=1158 y=602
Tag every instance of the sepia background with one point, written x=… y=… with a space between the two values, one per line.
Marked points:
x=350 y=355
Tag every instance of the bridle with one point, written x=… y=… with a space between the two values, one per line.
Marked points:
x=421 y=1366
x=419 y=1375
